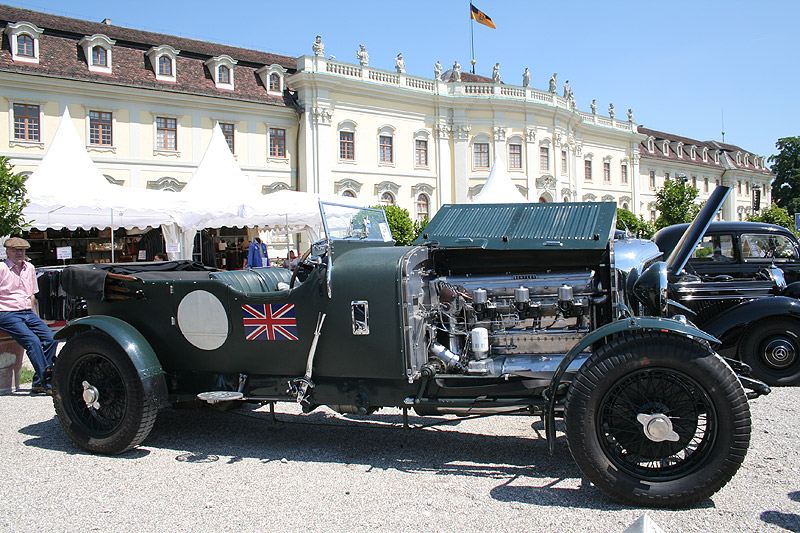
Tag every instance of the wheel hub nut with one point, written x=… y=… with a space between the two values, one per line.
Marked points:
x=657 y=427
x=91 y=396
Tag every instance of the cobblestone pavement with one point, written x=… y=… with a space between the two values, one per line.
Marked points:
x=238 y=470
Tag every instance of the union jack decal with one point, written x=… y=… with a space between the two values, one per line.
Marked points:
x=269 y=322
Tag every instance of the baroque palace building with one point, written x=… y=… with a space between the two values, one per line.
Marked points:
x=146 y=104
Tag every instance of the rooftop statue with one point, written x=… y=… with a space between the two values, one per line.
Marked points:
x=362 y=55
x=318 y=47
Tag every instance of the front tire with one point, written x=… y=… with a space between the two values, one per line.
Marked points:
x=772 y=349
x=658 y=420
x=98 y=396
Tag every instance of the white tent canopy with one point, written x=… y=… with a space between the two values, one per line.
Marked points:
x=499 y=189
x=68 y=191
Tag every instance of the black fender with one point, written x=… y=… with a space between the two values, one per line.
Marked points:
x=134 y=344
x=731 y=324
x=792 y=290
x=608 y=330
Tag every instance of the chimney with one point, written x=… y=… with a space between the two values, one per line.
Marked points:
x=107 y=22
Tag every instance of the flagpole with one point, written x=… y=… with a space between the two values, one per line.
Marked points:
x=472 y=37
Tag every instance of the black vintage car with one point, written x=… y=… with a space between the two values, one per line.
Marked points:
x=513 y=309
x=741 y=285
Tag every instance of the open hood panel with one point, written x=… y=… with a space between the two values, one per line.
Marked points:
x=691 y=237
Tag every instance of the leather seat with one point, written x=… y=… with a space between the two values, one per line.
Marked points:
x=262 y=279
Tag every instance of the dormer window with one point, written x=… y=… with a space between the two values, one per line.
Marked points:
x=221 y=68
x=272 y=76
x=679 y=149
x=716 y=156
x=738 y=159
x=164 y=61
x=24 y=40
x=99 y=56
x=224 y=75
x=705 y=154
x=165 y=65
x=97 y=49
x=665 y=147
x=693 y=152
x=651 y=145
x=25 y=45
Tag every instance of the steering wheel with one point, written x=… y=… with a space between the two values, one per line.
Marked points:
x=296 y=269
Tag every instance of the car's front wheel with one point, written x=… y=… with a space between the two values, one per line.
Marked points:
x=657 y=420
x=772 y=349
x=98 y=396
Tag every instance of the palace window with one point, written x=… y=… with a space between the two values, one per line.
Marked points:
x=165 y=65
x=666 y=177
x=277 y=142
x=705 y=184
x=544 y=158
x=387 y=198
x=563 y=161
x=23 y=38
x=480 y=155
x=98 y=51
x=386 y=154
x=587 y=170
x=606 y=172
x=623 y=171
x=26 y=122
x=25 y=45
x=227 y=131
x=100 y=128
x=166 y=133
x=515 y=156
x=274 y=82
x=423 y=207
x=421 y=153
x=99 y=56
x=347 y=150
x=224 y=75
x=652 y=179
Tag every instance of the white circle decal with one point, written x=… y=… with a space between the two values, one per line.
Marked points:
x=202 y=320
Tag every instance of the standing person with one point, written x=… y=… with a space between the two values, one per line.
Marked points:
x=257 y=254
x=17 y=287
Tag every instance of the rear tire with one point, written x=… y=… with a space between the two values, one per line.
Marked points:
x=98 y=396
x=772 y=349
x=688 y=397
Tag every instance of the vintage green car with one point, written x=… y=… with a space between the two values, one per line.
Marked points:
x=525 y=309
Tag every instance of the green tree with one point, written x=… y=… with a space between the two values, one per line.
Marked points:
x=12 y=200
x=774 y=215
x=400 y=224
x=786 y=167
x=675 y=202
x=638 y=226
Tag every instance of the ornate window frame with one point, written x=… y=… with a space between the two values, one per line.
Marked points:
x=111 y=148
x=264 y=74
x=214 y=65
x=516 y=140
x=389 y=131
x=89 y=43
x=481 y=138
x=160 y=151
x=22 y=142
x=347 y=126
x=166 y=183
x=347 y=184
x=422 y=135
x=26 y=28
x=155 y=53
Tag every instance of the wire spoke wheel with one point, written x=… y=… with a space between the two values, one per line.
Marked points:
x=657 y=391
x=99 y=396
x=657 y=419
x=107 y=410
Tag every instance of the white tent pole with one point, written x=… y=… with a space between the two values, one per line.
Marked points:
x=112 y=235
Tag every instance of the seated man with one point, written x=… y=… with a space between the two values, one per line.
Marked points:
x=17 y=287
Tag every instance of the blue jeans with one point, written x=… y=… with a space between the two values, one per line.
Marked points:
x=35 y=336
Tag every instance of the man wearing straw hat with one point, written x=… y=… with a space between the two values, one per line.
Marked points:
x=17 y=287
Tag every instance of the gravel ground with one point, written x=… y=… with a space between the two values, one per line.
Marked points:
x=237 y=470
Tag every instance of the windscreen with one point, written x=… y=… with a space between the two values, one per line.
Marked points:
x=343 y=222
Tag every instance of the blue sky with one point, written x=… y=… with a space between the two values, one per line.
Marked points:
x=680 y=65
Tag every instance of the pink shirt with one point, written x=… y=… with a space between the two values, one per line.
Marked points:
x=17 y=285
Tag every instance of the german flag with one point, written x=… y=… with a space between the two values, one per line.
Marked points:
x=480 y=16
